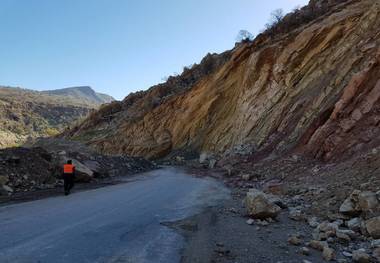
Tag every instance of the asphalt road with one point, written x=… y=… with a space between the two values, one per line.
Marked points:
x=119 y=223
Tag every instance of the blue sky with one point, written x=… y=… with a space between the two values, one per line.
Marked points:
x=118 y=46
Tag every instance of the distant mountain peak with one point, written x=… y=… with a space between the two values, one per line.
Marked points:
x=84 y=93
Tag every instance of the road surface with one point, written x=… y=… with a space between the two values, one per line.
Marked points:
x=119 y=223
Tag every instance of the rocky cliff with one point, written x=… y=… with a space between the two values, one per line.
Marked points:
x=309 y=85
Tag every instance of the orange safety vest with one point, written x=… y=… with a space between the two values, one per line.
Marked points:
x=68 y=169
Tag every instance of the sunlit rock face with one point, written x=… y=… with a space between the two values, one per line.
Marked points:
x=312 y=90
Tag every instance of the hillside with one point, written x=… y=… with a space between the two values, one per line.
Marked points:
x=29 y=114
x=84 y=94
x=309 y=85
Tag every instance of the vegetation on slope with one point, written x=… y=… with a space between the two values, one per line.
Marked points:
x=29 y=114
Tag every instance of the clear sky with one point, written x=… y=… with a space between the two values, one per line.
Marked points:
x=118 y=46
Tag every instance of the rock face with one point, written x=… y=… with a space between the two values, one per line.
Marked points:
x=314 y=89
x=259 y=205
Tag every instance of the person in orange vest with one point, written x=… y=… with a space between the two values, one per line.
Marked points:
x=68 y=176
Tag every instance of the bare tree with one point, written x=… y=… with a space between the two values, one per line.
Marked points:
x=277 y=15
x=244 y=35
x=275 y=18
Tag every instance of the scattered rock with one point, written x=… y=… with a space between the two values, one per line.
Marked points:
x=296 y=214
x=313 y=222
x=276 y=188
x=328 y=253
x=347 y=254
x=294 y=240
x=222 y=251
x=212 y=163
x=343 y=236
x=367 y=201
x=250 y=221
x=375 y=243
x=373 y=227
x=7 y=188
x=4 y=179
x=203 y=158
x=354 y=224
x=348 y=232
x=318 y=245
x=359 y=201
x=305 y=251
x=349 y=206
x=259 y=205
x=376 y=254
x=327 y=227
x=207 y=159
x=262 y=222
x=246 y=177
x=361 y=257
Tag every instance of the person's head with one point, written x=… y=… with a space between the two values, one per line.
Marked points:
x=69 y=162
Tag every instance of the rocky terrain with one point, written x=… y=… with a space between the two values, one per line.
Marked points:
x=27 y=114
x=338 y=202
x=290 y=121
x=311 y=89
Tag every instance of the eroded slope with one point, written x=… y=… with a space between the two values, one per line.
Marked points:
x=314 y=89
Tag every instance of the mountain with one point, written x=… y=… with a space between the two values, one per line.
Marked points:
x=29 y=114
x=309 y=85
x=84 y=93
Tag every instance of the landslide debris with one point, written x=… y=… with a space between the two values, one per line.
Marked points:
x=32 y=169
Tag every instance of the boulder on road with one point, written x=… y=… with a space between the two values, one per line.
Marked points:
x=83 y=174
x=260 y=206
x=94 y=166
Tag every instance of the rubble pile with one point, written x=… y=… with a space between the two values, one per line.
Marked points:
x=31 y=169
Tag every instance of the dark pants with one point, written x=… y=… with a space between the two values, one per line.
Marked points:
x=68 y=182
